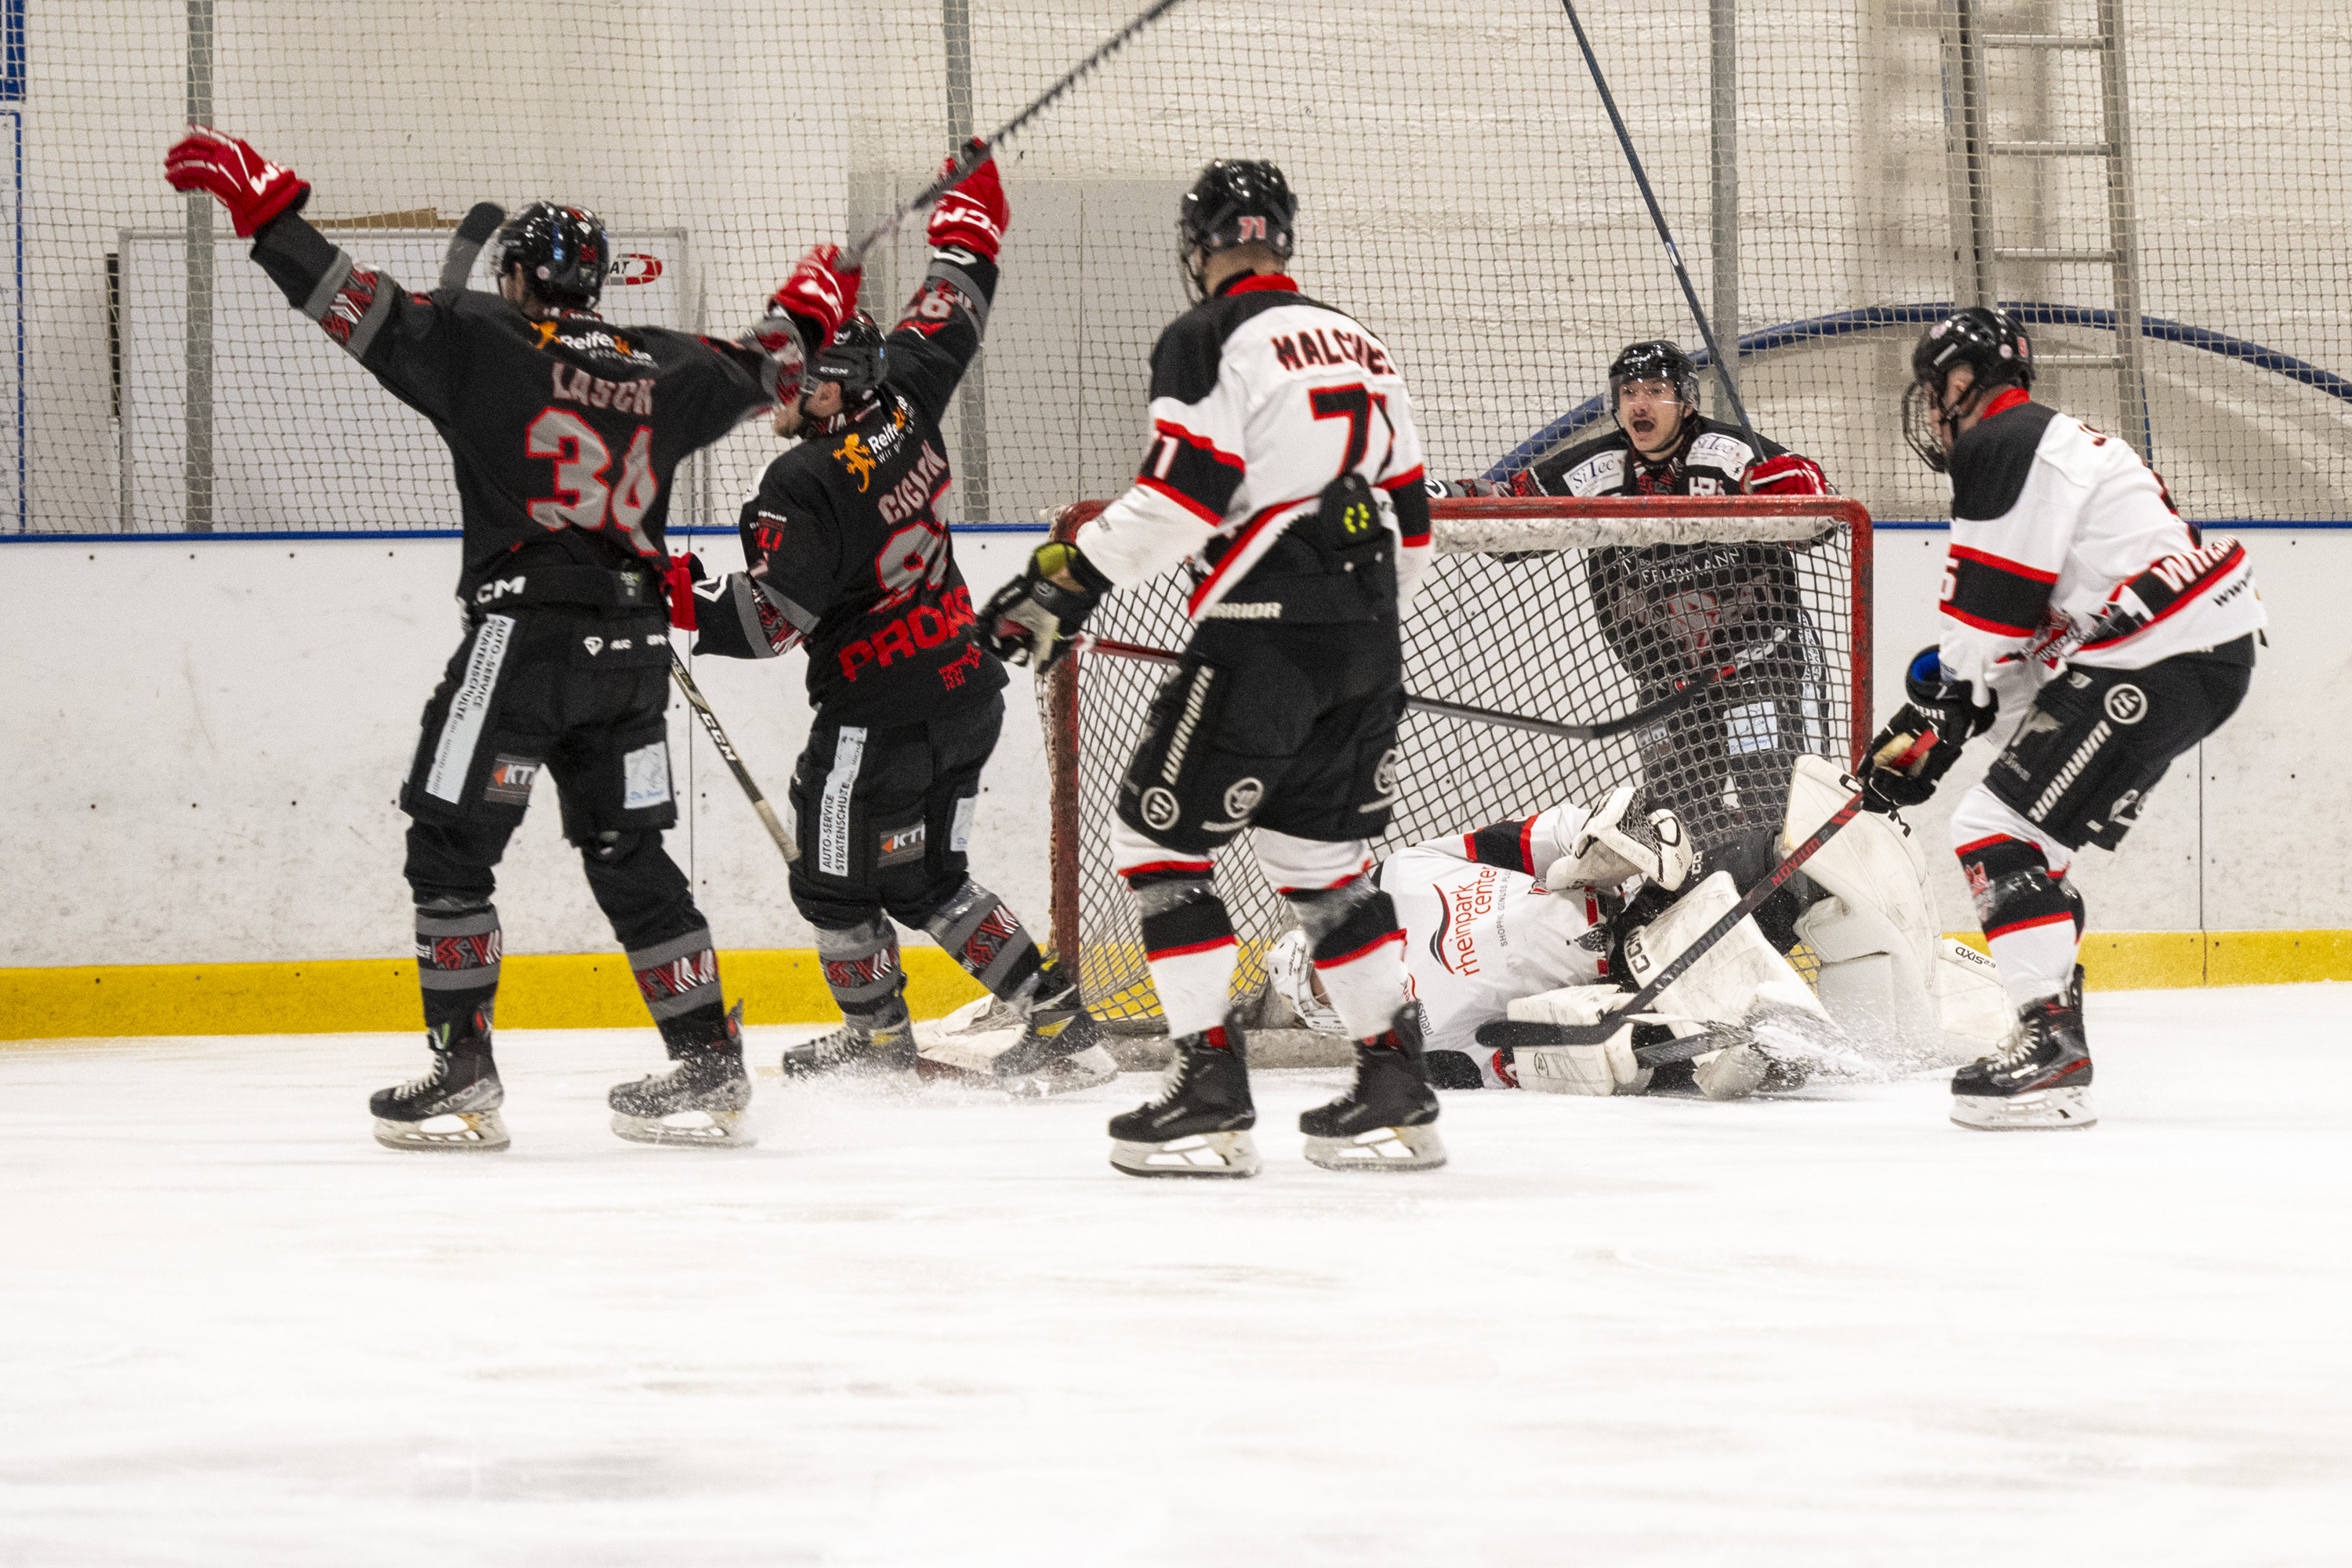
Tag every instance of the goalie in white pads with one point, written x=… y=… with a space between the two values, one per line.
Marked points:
x=1530 y=920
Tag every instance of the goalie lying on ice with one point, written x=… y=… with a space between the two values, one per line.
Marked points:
x=1555 y=917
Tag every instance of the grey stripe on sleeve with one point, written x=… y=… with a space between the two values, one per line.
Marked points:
x=372 y=323
x=976 y=300
x=323 y=296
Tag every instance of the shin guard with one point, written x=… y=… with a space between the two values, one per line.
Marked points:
x=457 y=948
x=979 y=932
x=1358 y=950
x=679 y=981
x=1188 y=942
x=862 y=970
x=2032 y=919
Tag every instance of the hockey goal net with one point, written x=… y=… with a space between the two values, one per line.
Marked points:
x=1577 y=612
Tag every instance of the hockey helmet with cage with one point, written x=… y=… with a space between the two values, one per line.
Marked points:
x=856 y=358
x=1291 y=974
x=563 y=252
x=1235 y=201
x=1989 y=341
x=1658 y=359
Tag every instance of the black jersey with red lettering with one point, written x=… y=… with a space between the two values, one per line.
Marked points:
x=564 y=432
x=843 y=541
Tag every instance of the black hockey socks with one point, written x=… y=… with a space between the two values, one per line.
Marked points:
x=980 y=933
x=1188 y=942
x=862 y=969
x=2032 y=922
x=679 y=981
x=1357 y=947
x=458 y=948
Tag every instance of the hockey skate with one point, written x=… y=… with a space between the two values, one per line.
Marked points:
x=2041 y=1077
x=883 y=1053
x=698 y=1103
x=1061 y=1047
x=1200 y=1125
x=455 y=1106
x=1384 y=1121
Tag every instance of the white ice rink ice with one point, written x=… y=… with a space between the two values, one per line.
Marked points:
x=1827 y=1329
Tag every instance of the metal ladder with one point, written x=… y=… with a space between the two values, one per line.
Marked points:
x=1972 y=153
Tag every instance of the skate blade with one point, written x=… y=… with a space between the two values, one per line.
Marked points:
x=476 y=1132
x=688 y=1130
x=1086 y=1069
x=2046 y=1111
x=1203 y=1154
x=1379 y=1149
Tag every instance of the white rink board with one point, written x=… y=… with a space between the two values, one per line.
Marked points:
x=1801 y=1334
x=208 y=739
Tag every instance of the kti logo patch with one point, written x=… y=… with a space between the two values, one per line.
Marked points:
x=510 y=780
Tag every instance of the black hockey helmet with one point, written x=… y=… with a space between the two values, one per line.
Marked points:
x=1236 y=201
x=563 y=252
x=854 y=358
x=1989 y=342
x=1655 y=360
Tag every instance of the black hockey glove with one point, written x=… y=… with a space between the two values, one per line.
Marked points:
x=1917 y=747
x=1034 y=618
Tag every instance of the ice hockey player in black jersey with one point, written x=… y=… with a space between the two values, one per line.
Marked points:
x=848 y=556
x=1284 y=465
x=2107 y=634
x=564 y=431
x=1670 y=611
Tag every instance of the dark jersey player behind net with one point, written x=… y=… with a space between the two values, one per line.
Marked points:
x=847 y=556
x=1669 y=612
x=564 y=432
x=1283 y=464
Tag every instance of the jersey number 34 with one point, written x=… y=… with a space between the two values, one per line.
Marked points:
x=583 y=498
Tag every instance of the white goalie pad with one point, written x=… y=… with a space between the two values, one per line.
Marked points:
x=1605 y=1068
x=1969 y=998
x=1874 y=934
x=1740 y=973
x=1613 y=844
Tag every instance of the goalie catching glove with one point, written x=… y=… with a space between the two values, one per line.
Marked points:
x=1618 y=842
x=1918 y=746
x=1036 y=616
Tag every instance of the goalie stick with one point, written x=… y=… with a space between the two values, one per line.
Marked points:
x=1688 y=692
x=1519 y=1033
x=474 y=231
x=971 y=156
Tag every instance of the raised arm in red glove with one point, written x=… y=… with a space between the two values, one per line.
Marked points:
x=819 y=296
x=1786 y=475
x=973 y=216
x=254 y=189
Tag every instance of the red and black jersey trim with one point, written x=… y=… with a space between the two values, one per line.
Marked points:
x=2168 y=585
x=1995 y=595
x=1190 y=471
x=1992 y=459
x=1510 y=844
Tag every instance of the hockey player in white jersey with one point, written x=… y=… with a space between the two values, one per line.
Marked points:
x=1284 y=467
x=2109 y=633
x=1508 y=913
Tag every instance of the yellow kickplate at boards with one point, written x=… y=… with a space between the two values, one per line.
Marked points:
x=561 y=991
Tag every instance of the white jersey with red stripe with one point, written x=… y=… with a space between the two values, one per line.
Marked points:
x=1260 y=398
x=2062 y=536
x=1480 y=930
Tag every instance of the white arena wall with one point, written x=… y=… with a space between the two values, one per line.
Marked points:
x=206 y=737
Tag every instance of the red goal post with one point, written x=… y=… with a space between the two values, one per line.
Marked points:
x=1510 y=617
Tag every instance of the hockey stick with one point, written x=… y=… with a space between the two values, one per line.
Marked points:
x=1682 y=698
x=1723 y=369
x=1523 y=1033
x=971 y=156
x=711 y=727
x=456 y=265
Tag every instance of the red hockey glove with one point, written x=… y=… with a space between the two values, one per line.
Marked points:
x=254 y=189
x=820 y=293
x=685 y=572
x=973 y=214
x=1786 y=475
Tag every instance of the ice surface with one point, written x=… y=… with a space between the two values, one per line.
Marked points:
x=1832 y=1330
